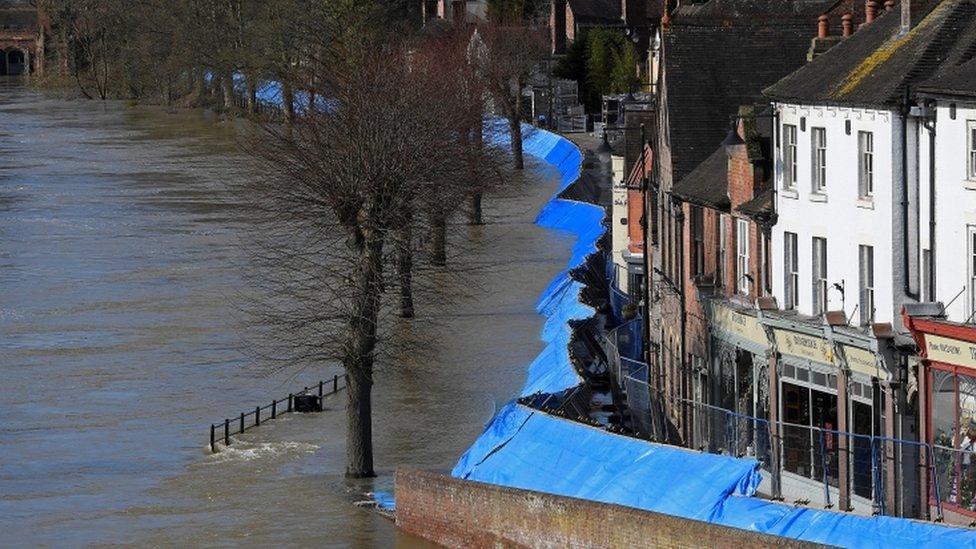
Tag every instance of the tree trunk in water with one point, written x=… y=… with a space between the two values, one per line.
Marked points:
x=288 y=101
x=516 y=129
x=404 y=267
x=474 y=213
x=358 y=360
x=252 y=94
x=227 y=84
x=439 y=240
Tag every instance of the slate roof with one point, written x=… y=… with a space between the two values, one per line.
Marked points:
x=874 y=67
x=596 y=12
x=707 y=184
x=960 y=80
x=712 y=65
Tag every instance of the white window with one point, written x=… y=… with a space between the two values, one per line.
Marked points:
x=971 y=255
x=723 y=244
x=789 y=156
x=971 y=147
x=742 y=256
x=818 y=141
x=866 y=254
x=865 y=154
x=819 y=275
x=791 y=271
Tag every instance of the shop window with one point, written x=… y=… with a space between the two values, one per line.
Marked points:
x=953 y=437
x=809 y=445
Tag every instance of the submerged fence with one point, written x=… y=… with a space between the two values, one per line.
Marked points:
x=221 y=432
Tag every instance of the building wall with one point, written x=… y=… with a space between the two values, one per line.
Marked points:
x=955 y=201
x=839 y=215
x=459 y=513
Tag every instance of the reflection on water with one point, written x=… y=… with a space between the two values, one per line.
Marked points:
x=120 y=340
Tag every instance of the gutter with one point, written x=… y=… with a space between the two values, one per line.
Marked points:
x=930 y=126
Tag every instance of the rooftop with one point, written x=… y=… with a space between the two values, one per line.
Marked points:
x=875 y=66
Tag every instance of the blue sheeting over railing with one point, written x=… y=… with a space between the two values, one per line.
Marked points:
x=529 y=449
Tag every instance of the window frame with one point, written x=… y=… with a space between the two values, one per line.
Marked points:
x=791 y=271
x=742 y=284
x=697 y=241
x=721 y=256
x=789 y=157
x=818 y=159
x=971 y=150
x=865 y=165
x=818 y=275
x=866 y=266
x=971 y=272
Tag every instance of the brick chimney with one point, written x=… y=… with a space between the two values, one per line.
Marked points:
x=824 y=41
x=870 y=11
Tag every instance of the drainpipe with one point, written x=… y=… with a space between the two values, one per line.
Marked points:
x=930 y=126
x=679 y=218
x=906 y=284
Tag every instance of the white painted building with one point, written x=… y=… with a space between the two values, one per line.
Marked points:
x=953 y=102
x=838 y=186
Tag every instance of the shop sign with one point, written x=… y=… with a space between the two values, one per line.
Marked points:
x=738 y=324
x=864 y=361
x=804 y=346
x=950 y=351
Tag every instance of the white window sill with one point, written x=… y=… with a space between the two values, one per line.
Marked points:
x=818 y=197
x=969 y=184
x=866 y=203
x=789 y=193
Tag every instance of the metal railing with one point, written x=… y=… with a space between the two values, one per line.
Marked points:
x=809 y=456
x=221 y=432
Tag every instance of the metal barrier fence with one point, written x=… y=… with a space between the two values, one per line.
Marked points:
x=625 y=348
x=809 y=457
x=243 y=422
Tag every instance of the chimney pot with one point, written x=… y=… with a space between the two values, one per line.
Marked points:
x=870 y=11
x=823 y=26
x=847 y=24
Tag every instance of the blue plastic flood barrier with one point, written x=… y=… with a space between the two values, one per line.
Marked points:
x=523 y=448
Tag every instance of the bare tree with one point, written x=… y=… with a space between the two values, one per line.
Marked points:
x=506 y=59
x=344 y=183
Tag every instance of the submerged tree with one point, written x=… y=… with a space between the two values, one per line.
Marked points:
x=346 y=182
x=505 y=62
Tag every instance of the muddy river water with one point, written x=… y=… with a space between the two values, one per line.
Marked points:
x=121 y=263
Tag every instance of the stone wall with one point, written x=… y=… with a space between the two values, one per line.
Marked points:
x=458 y=513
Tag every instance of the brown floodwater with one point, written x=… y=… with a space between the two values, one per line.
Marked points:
x=122 y=338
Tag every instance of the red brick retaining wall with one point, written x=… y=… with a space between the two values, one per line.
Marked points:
x=460 y=513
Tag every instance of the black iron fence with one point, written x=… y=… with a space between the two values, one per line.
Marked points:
x=221 y=432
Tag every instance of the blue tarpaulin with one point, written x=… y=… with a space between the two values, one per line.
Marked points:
x=528 y=449
x=523 y=448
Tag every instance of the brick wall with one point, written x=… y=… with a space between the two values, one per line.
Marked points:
x=459 y=513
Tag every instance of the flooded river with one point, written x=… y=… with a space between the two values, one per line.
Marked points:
x=121 y=264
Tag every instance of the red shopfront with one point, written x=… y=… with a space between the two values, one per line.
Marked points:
x=947 y=397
